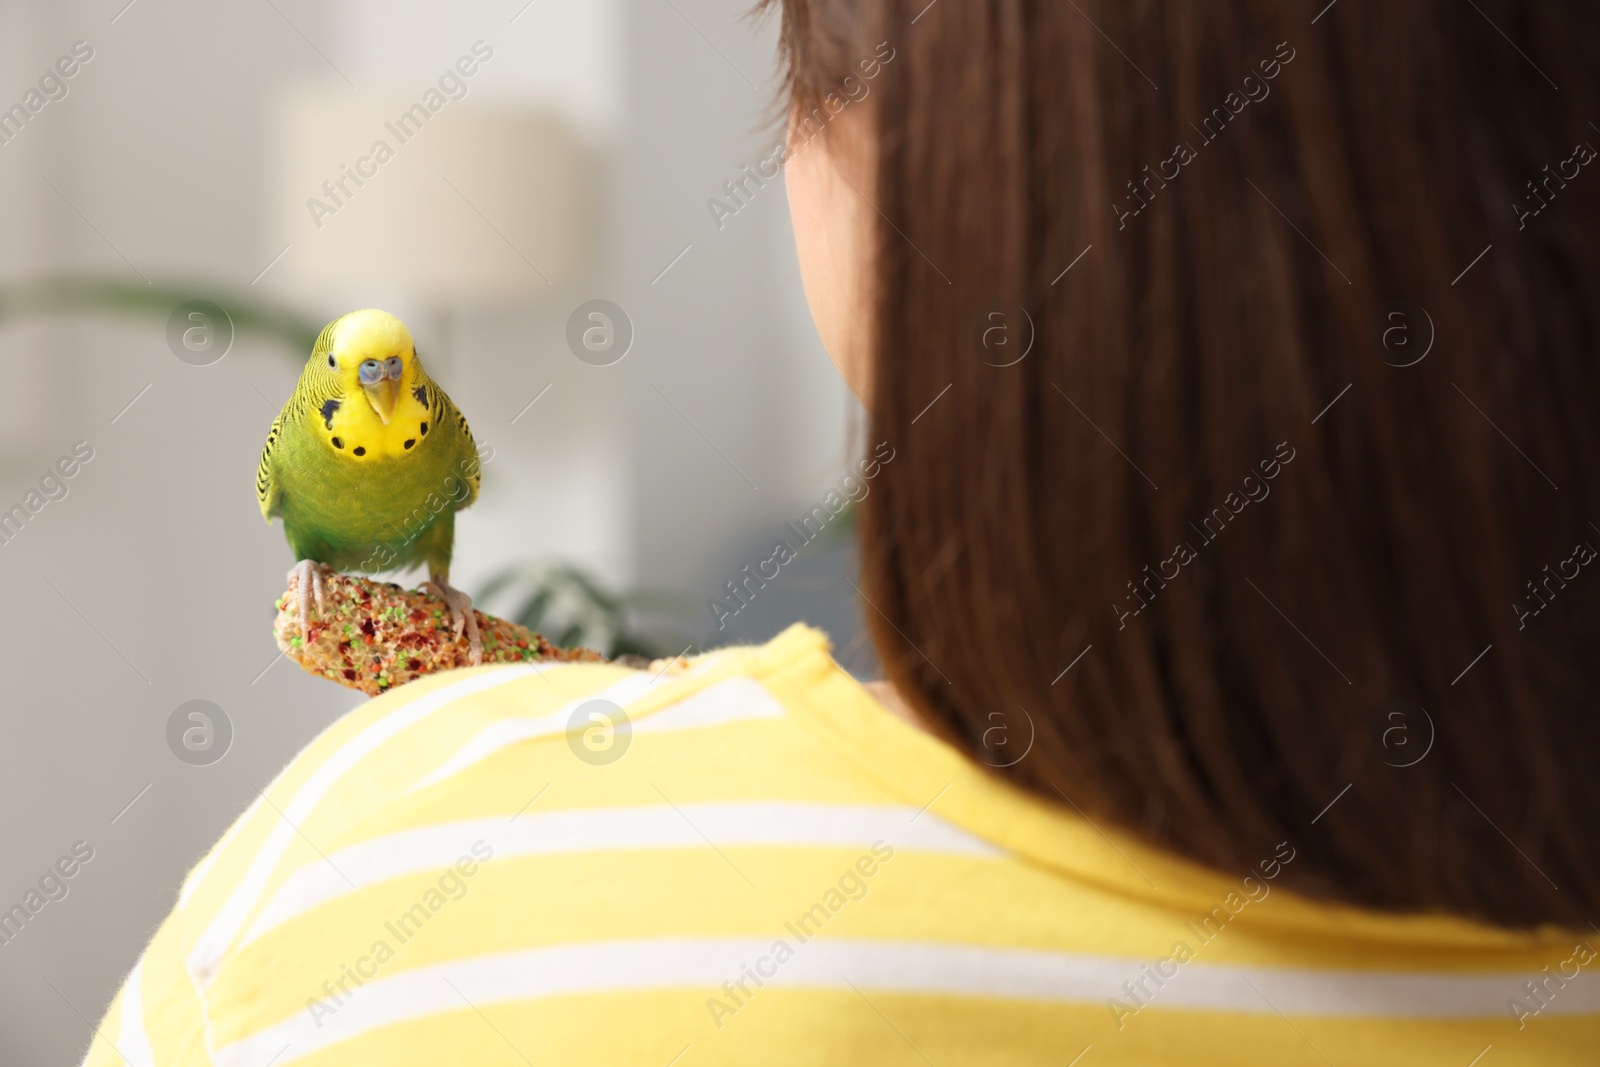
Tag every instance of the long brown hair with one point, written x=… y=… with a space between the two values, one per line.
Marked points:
x=1281 y=528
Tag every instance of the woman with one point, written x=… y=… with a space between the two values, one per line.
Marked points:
x=1230 y=571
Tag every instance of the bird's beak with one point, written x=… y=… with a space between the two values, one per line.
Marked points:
x=383 y=395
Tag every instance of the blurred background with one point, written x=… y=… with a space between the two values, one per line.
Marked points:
x=180 y=219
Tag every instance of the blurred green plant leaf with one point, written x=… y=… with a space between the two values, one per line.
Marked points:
x=84 y=293
x=569 y=607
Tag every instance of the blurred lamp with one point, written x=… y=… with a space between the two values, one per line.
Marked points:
x=464 y=205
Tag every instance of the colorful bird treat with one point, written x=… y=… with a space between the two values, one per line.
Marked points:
x=374 y=636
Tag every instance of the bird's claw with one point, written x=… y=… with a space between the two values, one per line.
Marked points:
x=308 y=574
x=461 y=614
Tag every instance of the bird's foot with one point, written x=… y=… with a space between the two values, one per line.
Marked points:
x=308 y=573
x=461 y=614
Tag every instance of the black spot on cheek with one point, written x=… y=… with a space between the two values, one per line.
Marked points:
x=410 y=441
x=424 y=429
x=338 y=442
x=358 y=451
x=421 y=393
x=328 y=408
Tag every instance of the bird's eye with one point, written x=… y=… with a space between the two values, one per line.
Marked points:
x=330 y=359
x=393 y=365
x=371 y=372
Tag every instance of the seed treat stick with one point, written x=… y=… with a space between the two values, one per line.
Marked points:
x=374 y=636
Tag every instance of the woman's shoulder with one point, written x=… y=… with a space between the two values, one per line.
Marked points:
x=475 y=740
x=567 y=748
x=527 y=814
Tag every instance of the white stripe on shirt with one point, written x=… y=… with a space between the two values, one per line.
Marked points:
x=905 y=967
x=726 y=701
x=727 y=825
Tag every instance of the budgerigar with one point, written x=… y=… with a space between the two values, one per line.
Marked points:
x=368 y=463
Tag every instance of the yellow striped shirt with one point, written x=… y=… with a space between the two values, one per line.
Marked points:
x=756 y=863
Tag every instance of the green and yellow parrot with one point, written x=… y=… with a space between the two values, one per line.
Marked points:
x=368 y=463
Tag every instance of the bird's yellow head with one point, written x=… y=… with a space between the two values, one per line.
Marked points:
x=371 y=354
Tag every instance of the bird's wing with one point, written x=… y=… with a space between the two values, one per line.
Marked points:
x=268 y=492
x=451 y=415
x=310 y=392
